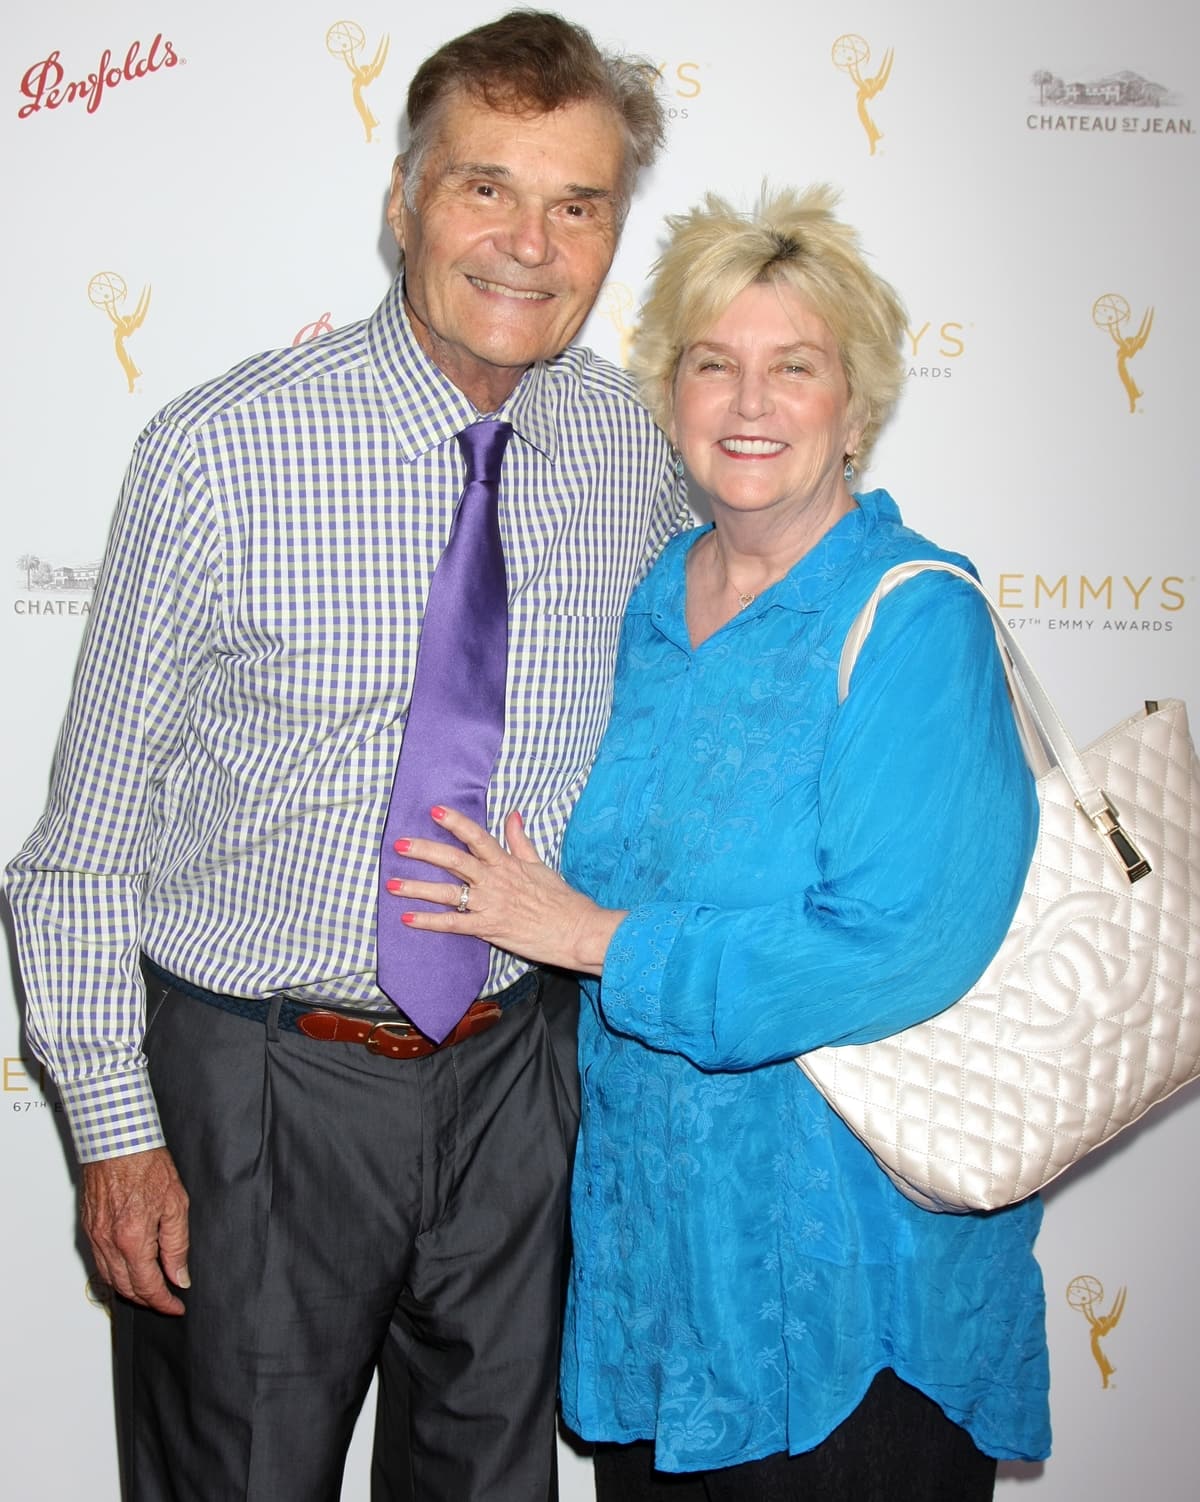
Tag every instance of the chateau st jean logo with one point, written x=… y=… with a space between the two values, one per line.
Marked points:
x=46 y=84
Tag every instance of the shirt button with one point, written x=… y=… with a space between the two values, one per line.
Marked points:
x=625 y=844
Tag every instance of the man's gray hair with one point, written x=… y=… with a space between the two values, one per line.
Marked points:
x=533 y=62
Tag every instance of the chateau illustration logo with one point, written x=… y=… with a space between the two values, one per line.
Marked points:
x=850 y=53
x=45 y=84
x=54 y=588
x=1112 y=312
x=1121 y=103
x=347 y=40
x=57 y=578
x=1117 y=90
x=1085 y=1294
x=108 y=292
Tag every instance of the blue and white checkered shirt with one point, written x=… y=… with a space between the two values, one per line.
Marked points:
x=223 y=773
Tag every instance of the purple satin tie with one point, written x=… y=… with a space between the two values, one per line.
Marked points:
x=451 y=741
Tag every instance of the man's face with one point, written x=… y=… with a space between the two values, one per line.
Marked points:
x=513 y=233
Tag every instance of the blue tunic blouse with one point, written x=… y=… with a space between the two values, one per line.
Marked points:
x=798 y=874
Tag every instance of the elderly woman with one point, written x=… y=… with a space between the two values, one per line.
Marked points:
x=755 y=871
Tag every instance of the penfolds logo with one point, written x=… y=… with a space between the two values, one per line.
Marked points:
x=45 y=85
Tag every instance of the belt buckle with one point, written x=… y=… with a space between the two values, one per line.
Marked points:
x=392 y=1029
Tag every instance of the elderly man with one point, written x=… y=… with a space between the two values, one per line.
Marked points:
x=310 y=1151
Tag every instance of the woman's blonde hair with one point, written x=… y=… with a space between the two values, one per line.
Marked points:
x=792 y=238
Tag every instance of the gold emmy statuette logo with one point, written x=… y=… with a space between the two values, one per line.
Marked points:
x=616 y=304
x=346 y=39
x=849 y=53
x=1083 y=1294
x=108 y=291
x=1111 y=312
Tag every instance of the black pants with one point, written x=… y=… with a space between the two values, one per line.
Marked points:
x=353 y=1215
x=897 y=1446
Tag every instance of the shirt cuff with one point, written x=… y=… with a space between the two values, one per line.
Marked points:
x=112 y=1116
x=635 y=969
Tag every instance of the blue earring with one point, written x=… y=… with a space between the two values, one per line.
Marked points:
x=848 y=472
x=678 y=462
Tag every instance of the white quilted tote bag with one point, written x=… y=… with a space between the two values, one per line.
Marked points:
x=1090 y=1012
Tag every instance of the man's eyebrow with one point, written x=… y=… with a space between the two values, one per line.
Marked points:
x=501 y=173
x=477 y=169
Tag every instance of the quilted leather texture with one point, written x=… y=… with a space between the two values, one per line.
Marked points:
x=1087 y=1016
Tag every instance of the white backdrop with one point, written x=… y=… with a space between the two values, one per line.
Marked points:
x=1026 y=176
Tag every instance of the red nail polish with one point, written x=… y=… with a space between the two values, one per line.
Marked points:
x=438 y=811
x=395 y=886
x=402 y=847
x=407 y=917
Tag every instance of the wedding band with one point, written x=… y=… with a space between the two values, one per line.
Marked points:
x=464 y=896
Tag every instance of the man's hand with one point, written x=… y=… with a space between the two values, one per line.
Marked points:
x=135 y=1214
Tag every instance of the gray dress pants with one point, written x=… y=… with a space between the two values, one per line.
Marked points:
x=352 y=1214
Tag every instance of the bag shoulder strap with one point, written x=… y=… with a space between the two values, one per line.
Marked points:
x=1043 y=734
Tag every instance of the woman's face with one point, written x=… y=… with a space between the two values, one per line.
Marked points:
x=761 y=404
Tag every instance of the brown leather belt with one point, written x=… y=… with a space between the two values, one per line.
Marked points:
x=395 y=1038
x=389 y=1035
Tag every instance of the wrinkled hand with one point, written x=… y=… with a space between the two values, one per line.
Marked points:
x=135 y=1214
x=516 y=901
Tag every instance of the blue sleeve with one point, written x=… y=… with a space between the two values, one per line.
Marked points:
x=927 y=818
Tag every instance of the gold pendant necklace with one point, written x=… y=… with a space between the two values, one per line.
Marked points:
x=742 y=599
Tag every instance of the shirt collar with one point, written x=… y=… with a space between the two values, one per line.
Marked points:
x=426 y=408
x=806 y=587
